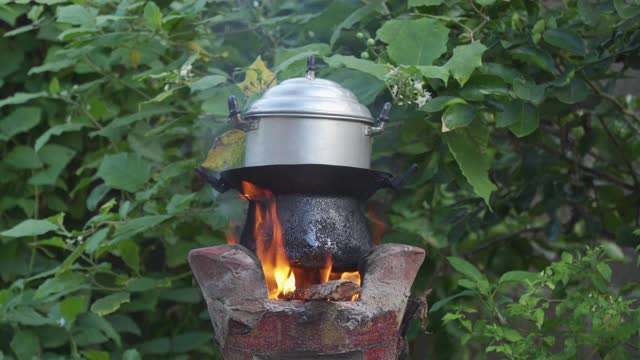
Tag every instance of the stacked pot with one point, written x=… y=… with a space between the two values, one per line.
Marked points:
x=309 y=143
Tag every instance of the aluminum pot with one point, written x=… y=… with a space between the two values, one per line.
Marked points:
x=308 y=121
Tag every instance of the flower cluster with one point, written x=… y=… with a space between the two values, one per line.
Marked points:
x=406 y=89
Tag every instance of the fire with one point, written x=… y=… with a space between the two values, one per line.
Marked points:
x=282 y=279
x=352 y=276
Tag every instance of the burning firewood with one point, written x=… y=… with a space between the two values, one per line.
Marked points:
x=334 y=290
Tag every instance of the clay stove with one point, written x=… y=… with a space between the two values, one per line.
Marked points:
x=305 y=281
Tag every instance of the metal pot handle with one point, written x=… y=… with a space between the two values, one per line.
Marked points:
x=396 y=182
x=383 y=118
x=219 y=184
x=236 y=118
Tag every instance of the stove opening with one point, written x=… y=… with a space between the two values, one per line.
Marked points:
x=282 y=278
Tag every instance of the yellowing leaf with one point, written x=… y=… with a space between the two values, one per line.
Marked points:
x=134 y=58
x=257 y=78
x=227 y=151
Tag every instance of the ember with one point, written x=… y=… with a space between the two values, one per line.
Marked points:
x=282 y=278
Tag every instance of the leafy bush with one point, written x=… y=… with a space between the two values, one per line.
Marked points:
x=509 y=107
x=567 y=311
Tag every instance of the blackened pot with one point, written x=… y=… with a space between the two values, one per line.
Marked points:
x=315 y=227
x=321 y=209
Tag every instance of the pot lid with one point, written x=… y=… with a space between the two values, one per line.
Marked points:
x=310 y=97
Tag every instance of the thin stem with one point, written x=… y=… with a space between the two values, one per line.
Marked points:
x=635 y=117
x=500 y=239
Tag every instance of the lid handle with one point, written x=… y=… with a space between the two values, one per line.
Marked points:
x=236 y=117
x=381 y=122
x=311 y=67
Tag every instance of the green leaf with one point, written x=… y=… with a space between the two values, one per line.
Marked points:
x=109 y=303
x=179 y=202
x=457 y=116
x=95 y=240
x=57 y=157
x=469 y=147
x=18 y=121
x=520 y=117
x=366 y=66
x=129 y=251
x=507 y=74
x=351 y=20
x=441 y=102
x=573 y=92
x=30 y=228
x=27 y=316
x=565 y=39
x=23 y=157
x=116 y=126
x=480 y=87
x=435 y=72
x=53 y=66
x=131 y=354
x=512 y=335
x=145 y=284
x=414 y=42
x=465 y=59
x=528 y=90
x=152 y=14
x=535 y=56
x=189 y=341
x=136 y=226
x=414 y=3
x=466 y=268
x=26 y=345
x=612 y=250
x=73 y=306
x=539 y=315
x=54 y=131
x=60 y=285
x=94 y=322
x=20 y=98
x=604 y=270
x=626 y=9
x=207 y=82
x=517 y=276
x=68 y=262
x=84 y=16
x=124 y=171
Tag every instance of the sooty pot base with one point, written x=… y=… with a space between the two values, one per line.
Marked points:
x=315 y=227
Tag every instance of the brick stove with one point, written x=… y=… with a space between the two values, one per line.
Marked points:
x=305 y=281
x=249 y=326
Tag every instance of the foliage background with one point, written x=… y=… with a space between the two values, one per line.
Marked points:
x=107 y=106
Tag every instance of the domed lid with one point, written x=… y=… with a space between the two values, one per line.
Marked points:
x=310 y=97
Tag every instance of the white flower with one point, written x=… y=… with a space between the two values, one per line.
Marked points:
x=186 y=70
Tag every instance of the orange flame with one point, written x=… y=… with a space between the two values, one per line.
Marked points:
x=353 y=276
x=230 y=234
x=282 y=279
